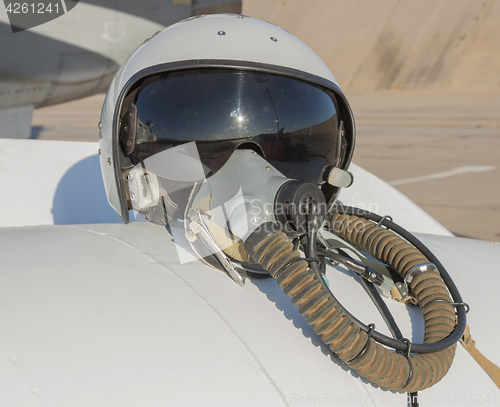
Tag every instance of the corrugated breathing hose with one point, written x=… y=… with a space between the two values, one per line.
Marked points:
x=340 y=330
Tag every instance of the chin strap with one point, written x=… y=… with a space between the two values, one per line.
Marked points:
x=489 y=367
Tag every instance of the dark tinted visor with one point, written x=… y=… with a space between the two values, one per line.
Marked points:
x=293 y=124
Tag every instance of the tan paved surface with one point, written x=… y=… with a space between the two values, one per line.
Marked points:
x=404 y=135
x=401 y=135
x=76 y=120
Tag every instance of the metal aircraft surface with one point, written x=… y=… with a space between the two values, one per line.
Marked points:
x=94 y=311
x=77 y=54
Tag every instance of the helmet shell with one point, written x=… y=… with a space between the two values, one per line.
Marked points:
x=209 y=41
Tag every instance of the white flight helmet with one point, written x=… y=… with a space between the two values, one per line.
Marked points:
x=187 y=82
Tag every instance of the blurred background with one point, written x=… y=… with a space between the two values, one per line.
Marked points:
x=422 y=77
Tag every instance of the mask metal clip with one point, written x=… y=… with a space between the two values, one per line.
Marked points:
x=199 y=228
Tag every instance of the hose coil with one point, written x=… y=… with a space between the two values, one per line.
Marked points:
x=338 y=330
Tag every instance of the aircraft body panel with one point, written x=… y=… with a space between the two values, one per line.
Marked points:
x=77 y=54
x=105 y=314
x=81 y=49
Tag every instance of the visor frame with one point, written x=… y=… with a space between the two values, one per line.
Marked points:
x=345 y=112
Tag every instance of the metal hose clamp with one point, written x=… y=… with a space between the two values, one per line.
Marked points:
x=417 y=269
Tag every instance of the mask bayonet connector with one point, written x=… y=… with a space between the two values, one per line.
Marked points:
x=200 y=229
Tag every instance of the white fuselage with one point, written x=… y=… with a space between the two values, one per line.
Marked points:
x=96 y=313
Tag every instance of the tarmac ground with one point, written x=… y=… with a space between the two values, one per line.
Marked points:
x=440 y=149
